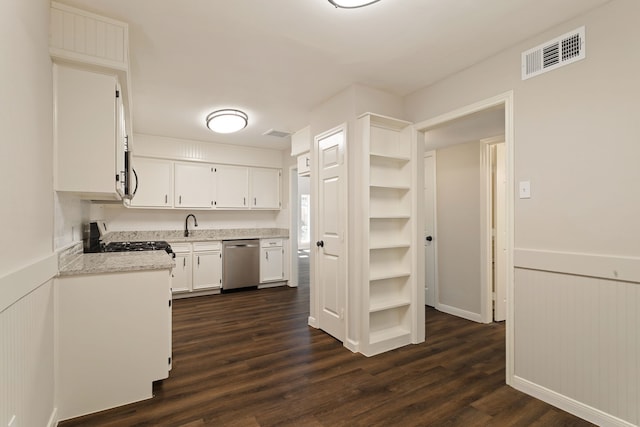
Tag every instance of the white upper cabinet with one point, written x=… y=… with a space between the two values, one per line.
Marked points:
x=194 y=185
x=152 y=182
x=86 y=131
x=265 y=188
x=232 y=187
x=166 y=183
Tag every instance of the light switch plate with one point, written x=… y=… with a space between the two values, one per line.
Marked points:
x=525 y=189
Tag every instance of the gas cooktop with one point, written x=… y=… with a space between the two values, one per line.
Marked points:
x=159 y=245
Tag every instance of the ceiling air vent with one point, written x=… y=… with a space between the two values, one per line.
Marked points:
x=556 y=53
x=277 y=133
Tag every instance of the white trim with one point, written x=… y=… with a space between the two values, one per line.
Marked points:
x=352 y=345
x=313 y=322
x=475 y=317
x=486 y=236
x=53 y=419
x=20 y=283
x=565 y=403
x=293 y=226
x=504 y=99
x=486 y=256
x=609 y=267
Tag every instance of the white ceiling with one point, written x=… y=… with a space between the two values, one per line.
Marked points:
x=278 y=59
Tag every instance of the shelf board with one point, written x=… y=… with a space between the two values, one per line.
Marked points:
x=390 y=245
x=396 y=157
x=391 y=187
x=388 y=275
x=390 y=216
x=387 y=333
x=375 y=306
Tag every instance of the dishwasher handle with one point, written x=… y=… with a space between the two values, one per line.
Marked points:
x=243 y=245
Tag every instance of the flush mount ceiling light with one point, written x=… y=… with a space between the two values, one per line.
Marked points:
x=352 y=4
x=227 y=121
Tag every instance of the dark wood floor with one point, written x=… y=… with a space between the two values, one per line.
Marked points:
x=249 y=359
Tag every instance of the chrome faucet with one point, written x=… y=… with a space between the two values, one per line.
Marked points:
x=186 y=224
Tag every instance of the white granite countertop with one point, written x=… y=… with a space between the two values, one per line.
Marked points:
x=114 y=262
x=196 y=234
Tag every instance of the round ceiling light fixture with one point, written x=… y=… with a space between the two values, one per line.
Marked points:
x=227 y=120
x=352 y=4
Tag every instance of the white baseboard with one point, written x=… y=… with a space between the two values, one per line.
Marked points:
x=475 y=317
x=53 y=419
x=313 y=322
x=565 y=403
x=354 y=346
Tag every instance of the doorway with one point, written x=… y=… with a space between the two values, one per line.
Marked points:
x=504 y=103
x=300 y=227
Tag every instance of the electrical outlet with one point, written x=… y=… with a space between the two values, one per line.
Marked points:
x=13 y=422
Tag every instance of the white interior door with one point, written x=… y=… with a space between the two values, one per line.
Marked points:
x=330 y=277
x=429 y=230
x=500 y=214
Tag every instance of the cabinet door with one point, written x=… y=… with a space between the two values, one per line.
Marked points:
x=207 y=270
x=154 y=182
x=232 y=186
x=304 y=164
x=265 y=188
x=271 y=264
x=85 y=133
x=193 y=185
x=181 y=274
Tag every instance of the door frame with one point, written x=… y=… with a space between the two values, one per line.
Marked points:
x=293 y=226
x=505 y=100
x=314 y=290
x=486 y=238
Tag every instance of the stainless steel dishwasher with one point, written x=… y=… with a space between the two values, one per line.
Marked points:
x=240 y=263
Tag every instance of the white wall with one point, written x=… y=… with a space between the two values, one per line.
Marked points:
x=119 y=218
x=26 y=117
x=576 y=139
x=213 y=152
x=26 y=215
x=458 y=213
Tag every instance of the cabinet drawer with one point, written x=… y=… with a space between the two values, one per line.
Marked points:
x=206 y=246
x=271 y=243
x=181 y=248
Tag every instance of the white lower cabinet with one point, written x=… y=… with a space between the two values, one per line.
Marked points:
x=111 y=348
x=181 y=276
x=207 y=265
x=198 y=267
x=271 y=260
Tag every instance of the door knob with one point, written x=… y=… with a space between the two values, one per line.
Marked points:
x=320 y=243
x=429 y=238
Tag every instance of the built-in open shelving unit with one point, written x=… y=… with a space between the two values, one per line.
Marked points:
x=388 y=270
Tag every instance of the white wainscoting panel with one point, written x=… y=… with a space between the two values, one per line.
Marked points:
x=27 y=359
x=580 y=337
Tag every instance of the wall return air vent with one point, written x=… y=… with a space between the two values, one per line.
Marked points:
x=555 y=53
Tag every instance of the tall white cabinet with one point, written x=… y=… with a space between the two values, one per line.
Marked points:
x=389 y=233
